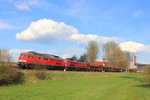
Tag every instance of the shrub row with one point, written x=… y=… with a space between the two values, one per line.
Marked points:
x=9 y=75
x=147 y=74
x=42 y=75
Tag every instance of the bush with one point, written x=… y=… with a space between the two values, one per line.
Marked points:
x=42 y=75
x=19 y=78
x=133 y=70
x=9 y=75
x=147 y=74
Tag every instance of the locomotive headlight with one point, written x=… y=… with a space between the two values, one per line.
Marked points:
x=20 y=60
x=24 y=60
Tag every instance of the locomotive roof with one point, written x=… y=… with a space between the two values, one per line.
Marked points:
x=44 y=55
x=75 y=61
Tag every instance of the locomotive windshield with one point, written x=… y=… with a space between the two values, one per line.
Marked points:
x=23 y=55
x=65 y=61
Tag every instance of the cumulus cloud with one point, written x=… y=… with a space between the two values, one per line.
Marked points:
x=48 y=31
x=25 y=5
x=83 y=39
x=134 y=47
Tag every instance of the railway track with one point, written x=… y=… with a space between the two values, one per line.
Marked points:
x=54 y=70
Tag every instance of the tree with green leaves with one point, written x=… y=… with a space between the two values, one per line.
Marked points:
x=83 y=58
x=73 y=58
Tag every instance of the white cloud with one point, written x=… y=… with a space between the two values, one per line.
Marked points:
x=48 y=31
x=137 y=13
x=5 y=26
x=146 y=48
x=22 y=7
x=25 y=5
x=18 y=51
x=134 y=47
x=83 y=39
x=64 y=56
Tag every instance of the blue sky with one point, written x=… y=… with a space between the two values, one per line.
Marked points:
x=63 y=27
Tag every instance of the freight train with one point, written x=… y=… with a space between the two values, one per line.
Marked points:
x=33 y=59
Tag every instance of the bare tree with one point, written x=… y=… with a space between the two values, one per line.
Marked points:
x=127 y=58
x=92 y=51
x=5 y=57
x=114 y=56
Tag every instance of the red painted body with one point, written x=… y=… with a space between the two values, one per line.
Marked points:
x=28 y=59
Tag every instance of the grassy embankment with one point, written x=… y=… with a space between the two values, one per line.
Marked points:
x=79 y=86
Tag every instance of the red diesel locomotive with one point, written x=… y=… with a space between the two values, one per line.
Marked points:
x=31 y=59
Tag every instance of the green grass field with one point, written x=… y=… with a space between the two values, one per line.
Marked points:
x=79 y=86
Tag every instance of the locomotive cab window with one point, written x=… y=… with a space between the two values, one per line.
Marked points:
x=24 y=55
x=65 y=61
